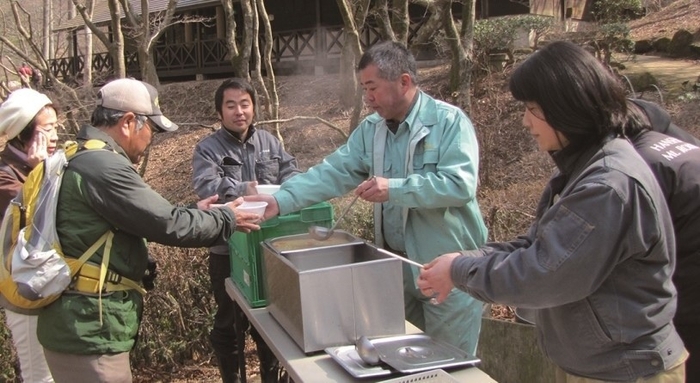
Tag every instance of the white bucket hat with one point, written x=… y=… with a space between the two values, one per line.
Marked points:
x=19 y=110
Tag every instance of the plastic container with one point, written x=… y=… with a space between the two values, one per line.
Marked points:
x=246 y=254
x=252 y=207
x=267 y=189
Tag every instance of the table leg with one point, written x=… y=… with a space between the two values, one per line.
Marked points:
x=240 y=327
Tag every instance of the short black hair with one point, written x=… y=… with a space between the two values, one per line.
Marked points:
x=105 y=117
x=232 y=83
x=579 y=97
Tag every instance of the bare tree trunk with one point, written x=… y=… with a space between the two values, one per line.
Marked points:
x=87 y=70
x=462 y=60
x=240 y=56
x=271 y=84
x=46 y=38
x=116 y=47
x=144 y=47
x=353 y=20
x=384 y=20
x=256 y=72
x=452 y=39
x=427 y=31
x=238 y=70
x=467 y=40
x=400 y=20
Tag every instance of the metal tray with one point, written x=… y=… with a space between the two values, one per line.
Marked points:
x=347 y=357
x=419 y=352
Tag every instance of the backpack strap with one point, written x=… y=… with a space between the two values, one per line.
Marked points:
x=89 y=278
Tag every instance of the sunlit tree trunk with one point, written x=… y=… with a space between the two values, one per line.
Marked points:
x=271 y=81
x=354 y=15
x=400 y=20
x=467 y=40
x=46 y=38
x=383 y=18
x=116 y=47
x=240 y=55
x=113 y=43
x=87 y=70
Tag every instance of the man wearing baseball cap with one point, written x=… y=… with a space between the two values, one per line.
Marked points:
x=28 y=121
x=87 y=335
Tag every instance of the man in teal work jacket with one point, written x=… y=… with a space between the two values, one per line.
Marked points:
x=424 y=155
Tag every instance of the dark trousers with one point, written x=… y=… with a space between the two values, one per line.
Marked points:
x=228 y=317
x=690 y=333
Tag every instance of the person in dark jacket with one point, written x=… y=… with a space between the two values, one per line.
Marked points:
x=87 y=335
x=230 y=163
x=674 y=157
x=29 y=121
x=596 y=264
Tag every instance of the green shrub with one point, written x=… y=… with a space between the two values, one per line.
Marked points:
x=498 y=34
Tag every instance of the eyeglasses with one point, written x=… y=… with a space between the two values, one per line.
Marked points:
x=145 y=121
x=150 y=127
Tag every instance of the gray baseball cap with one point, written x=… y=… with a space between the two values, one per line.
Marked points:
x=129 y=95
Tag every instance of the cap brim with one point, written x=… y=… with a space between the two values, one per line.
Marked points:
x=163 y=123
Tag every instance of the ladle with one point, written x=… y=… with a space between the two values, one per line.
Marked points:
x=321 y=233
x=367 y=352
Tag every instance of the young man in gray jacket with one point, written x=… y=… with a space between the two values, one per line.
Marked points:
x=230 y=163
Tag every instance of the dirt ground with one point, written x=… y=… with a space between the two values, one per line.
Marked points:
x=670 y=73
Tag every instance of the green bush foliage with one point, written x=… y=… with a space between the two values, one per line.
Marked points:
x=498 y=34
x=613 y=33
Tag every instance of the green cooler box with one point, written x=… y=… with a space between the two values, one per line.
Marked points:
x=246 y=254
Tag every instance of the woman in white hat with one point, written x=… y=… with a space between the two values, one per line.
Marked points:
x=28 y=120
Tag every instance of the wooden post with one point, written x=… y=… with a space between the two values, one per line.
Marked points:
x=220 y=23
x=319 y=42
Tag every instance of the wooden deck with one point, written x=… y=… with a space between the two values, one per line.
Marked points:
x=294 y=51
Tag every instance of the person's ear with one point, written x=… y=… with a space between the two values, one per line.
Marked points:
x=405 y=80
x=125 y=123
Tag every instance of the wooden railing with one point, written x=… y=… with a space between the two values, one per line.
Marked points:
x=212 y=56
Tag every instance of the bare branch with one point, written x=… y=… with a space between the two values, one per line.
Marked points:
x=131 y=18
x=18 y=22
x=86 y=14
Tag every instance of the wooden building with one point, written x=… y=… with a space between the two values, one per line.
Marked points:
x=308 y=38
x=577 y=10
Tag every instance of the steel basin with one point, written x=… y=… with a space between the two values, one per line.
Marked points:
x=332 y=294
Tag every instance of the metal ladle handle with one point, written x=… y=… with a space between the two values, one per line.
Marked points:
x=347 y=209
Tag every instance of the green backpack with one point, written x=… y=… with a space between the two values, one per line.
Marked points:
x=34 y=271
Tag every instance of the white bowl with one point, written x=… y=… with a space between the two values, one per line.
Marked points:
x=267 y=189
x=252 y=207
